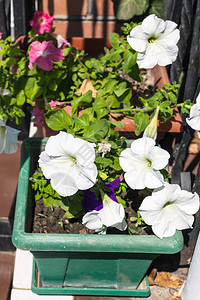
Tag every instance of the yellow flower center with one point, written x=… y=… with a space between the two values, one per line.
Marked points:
x=41 y=20
x=168 y=203
x=73 y=159
x=152 y=39
x=148 y=162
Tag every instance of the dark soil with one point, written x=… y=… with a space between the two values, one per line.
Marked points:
x=53 y=219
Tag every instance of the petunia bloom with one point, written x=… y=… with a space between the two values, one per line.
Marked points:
x=142 y=162
x=55 y=103
x=69 y=163
x=111 y=215
x=194 y=117
x=43 y=54
x=91 y=203
x=61 y=41
x=169 y=208
x=155 y=41
x=41 y=22
x=8 y=138
x=1 y=35
x=39 y=115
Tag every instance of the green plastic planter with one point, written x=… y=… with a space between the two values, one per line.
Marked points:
x=82 y=264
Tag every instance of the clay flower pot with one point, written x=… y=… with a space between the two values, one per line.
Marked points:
x=160 y=77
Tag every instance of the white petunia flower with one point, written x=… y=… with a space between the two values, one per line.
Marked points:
x=142 y=162
x=155 y=41
x=169 y=208
x=111 y=215
x=194 y=117
x=8 y=138
x=69 y=163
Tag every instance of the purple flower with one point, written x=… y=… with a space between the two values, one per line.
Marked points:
x=91 y=203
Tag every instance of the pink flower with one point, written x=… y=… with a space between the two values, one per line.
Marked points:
x=42 y=22
x=39 y=114
x=61 y=41
x=43 y=54
x=54 y=104
x=1 y=35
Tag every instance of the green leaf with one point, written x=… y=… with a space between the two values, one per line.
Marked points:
x=21 y=98
x=105 y=162
x=113 y=102
x=96 y=131
x=157 y=8
x=129 y=60
x=36 y=92
x=81 y=122
x=119 y=124
x=134 y=73
x=58 y=119
x=52 y=85
x=115 y=165
x=126 y=9
x=141 y=121
x=124 y=95
x=83 y=100
x=28 y=88
x=114 y=40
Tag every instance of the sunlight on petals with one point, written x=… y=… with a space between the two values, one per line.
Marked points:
x=69 y=163
x=155 y=41
x=142 y=162
x=169 y=209
x=194 y=118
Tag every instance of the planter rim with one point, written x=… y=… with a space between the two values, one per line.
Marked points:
x=78 y=242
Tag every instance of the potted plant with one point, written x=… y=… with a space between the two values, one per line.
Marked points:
x=109 y=188
x=66 y=75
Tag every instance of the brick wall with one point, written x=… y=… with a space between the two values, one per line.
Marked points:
x=73 y=22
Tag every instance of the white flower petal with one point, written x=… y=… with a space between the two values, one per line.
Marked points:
x=169 y=208
x=112 y=214
x=153 y=26
x=141 y=147
x=148 y=59
x=169 y=39
x=69 y=163
x=11 y=140
x=92 y=221
x=155 y=41
x=159 y=158
x=170 y=26
x=191 y=206
x=142 y=164
x=127 y=160
x=194 y=123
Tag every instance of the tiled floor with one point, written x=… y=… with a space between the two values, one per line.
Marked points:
x=6 y=273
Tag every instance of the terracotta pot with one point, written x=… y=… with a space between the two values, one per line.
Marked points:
x=160 y=77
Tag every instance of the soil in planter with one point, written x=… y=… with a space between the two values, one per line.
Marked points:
x=53 y=219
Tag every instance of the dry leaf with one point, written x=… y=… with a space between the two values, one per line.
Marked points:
x=152 y=276
x=193 y=148
x=87 y=86
x=166 y=280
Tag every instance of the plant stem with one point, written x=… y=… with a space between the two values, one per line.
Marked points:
x=130 y=109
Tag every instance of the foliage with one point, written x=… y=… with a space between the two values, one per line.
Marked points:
x=127 y=9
